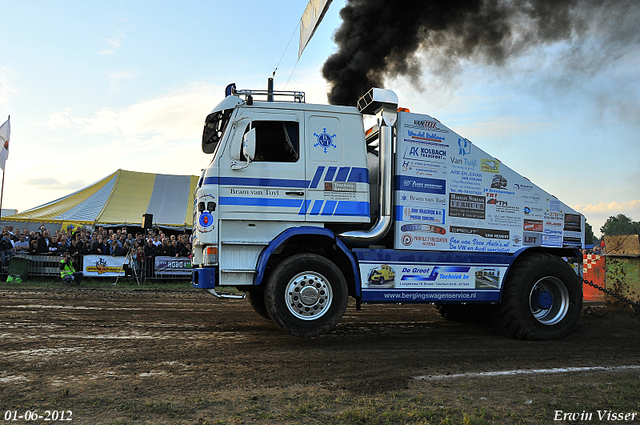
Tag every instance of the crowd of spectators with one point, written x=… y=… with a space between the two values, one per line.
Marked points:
x=80 y=242
x=598 y=248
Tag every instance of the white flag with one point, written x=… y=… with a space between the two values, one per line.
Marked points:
x=5 y=133
x=310 y=20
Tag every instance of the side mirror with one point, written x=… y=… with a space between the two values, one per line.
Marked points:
x=248 y=150
x=249 y=145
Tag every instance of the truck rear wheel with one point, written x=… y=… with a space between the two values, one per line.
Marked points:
x=306 y=295
x=256 y=300
x=541 y=299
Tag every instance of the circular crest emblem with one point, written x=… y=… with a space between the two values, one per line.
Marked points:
x=206 y=219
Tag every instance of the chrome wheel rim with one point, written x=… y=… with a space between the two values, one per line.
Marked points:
x=308 y=295
x=549 y=300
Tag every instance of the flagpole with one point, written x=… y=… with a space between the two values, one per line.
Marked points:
x=2 y=194
x=2 y=191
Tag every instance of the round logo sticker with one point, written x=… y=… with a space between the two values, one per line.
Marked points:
x=206 y=219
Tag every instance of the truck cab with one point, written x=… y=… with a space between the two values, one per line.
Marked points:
x=301 y=208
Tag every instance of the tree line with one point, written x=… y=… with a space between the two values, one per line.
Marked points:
x=618 y=225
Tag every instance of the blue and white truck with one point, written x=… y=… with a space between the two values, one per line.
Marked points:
x=300 y=204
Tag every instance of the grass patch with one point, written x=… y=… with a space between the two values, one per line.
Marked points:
x=100 y=283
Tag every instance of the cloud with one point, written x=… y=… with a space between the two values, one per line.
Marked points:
x=169 y=118
x=597 y=214
x=113 y=44
x=47 y=183
x=116 y=78
x=611 y=207
x=5 y=87
x=62 y=119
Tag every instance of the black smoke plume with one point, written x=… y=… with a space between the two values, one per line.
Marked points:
x=389 y=38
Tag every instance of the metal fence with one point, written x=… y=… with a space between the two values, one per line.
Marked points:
x=153 y=268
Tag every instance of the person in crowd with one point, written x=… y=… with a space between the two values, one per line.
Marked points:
x=149 y=249
x=165 y=250
x=21 y=246
x=68 y=272
x=63 y=245
x=180 y=249
x=75 y=250
x=98 y=247
x=140 y=239
x=53 y=246
x=6 y=249
x=138 y=263
x=43 y=242
x=115 y=250
x=86 y=248
x=150 y=252
x=33 y=247
x=126 y=248
x=122 y=239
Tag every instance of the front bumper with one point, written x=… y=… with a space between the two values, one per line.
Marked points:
x=204 y=277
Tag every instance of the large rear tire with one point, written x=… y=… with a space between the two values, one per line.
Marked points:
x=306 y=295
x=541 y=299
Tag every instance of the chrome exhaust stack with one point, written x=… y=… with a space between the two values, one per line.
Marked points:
x=383 y=104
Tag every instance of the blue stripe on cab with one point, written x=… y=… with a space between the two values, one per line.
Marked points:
x=352 y=208
x=260 y=202
x=343 y=173
x=317 y=205
x=359 y=175
x=330 y=173
x=250 y=181
x=329 y=207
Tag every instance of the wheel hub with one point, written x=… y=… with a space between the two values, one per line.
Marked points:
x=549 y=300
x=543 y=300
x=308 y=296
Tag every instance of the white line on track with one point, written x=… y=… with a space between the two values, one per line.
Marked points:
x=526 y=372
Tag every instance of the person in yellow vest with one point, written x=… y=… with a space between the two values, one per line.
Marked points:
x=68 y=272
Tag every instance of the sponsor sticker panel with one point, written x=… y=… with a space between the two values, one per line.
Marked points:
x=397 y=282
x=452 y=196
x=431 y=276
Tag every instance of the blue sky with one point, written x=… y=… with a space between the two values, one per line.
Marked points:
x=92 y=87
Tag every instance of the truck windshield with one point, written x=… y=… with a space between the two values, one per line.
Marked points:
x=214 y=128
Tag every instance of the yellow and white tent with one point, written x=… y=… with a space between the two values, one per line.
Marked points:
x=121 y=199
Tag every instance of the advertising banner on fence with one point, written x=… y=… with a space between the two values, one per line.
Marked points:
x=103 y=266
x=173 y=266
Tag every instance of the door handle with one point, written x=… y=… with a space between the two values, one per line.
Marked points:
x=300 y=193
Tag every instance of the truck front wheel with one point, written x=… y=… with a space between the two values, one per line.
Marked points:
x=256 y=301
x=306 y=295
x=541 y=299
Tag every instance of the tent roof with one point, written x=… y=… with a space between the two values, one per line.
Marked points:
x=122 y=198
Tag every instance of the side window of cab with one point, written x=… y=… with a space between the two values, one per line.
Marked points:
x=276 y=141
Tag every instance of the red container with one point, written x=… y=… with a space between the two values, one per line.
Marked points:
x=593 y=270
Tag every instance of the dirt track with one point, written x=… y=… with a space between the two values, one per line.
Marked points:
x=186 y=357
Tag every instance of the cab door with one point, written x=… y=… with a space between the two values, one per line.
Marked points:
x=272 y=186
